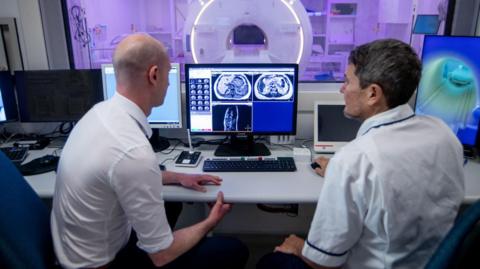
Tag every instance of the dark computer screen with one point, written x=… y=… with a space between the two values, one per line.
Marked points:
x=241 y=98
x=57 y=95
x=426 y=24
x=8 y=104
x=449 y=88
x=332 y=125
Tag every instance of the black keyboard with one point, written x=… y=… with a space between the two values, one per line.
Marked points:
x=16 y=154
x=280 y=164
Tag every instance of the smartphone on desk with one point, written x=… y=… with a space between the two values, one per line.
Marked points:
x=188 y=158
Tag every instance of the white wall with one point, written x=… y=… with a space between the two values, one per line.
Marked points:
x=32 y=43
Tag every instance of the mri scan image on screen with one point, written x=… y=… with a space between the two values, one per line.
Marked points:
x=2 y=111
x=273 y=86
x=232 y=118
x=232 y=86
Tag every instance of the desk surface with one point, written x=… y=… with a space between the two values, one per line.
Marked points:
x=302 y=186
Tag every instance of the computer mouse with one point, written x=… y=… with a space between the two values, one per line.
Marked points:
x=315 y=165
x=48 y=159
x=40 y=165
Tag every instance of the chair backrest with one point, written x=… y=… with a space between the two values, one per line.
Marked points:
x=449 y=249
x=25 y=239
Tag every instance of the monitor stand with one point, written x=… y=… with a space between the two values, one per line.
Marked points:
x=242 y=147
x=158 y=142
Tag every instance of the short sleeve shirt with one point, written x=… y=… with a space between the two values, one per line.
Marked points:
x=390 y=195
x=108 y=182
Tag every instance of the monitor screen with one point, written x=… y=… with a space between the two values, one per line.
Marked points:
x=57 y=95
x=449 y=88
x=426 y=24
x=169 y=114
x=332 y=129
x=8 y=105
x=241 y=98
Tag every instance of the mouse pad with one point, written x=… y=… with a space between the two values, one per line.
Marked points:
x=40 y=165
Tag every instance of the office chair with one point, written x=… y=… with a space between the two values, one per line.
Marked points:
x=455 y=250
x=25 y=240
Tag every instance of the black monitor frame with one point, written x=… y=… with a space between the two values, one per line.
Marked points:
x=241 y=143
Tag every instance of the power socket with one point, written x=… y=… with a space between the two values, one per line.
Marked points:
x=282 y=139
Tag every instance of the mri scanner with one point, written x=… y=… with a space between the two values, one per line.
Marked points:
x=247 y=31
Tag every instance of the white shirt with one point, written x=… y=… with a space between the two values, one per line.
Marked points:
x=389 y=196
x=108 y=181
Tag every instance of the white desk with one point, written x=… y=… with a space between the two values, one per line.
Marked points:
x=302 y=186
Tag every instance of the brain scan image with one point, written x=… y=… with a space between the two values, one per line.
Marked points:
x=232 y=117
x=231 y=86
x=449 y=90
x=273 y=87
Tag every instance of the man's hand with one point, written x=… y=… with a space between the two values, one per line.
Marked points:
x=195 y=181
x=323 y=162
x=218 y=211
x=291 y=245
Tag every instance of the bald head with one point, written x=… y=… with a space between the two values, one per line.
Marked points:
x=134 y=55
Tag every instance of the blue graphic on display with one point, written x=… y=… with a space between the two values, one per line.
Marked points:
x=232 y=86
x=449 y=88
x=3 y=116
x=274 y=86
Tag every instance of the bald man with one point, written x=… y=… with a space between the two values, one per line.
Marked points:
x=108 y=209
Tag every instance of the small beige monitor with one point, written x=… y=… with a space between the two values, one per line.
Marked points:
x=332 y=130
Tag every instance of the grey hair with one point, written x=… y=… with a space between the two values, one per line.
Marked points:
x=390 y=63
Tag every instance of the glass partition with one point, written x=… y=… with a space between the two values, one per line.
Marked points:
x=316 y=34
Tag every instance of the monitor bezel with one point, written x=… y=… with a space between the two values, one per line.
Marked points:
x=156 y=125
x=243 y=65
x=477 y=139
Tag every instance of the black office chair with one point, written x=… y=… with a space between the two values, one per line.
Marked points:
x=459 y=247
x=25 y=240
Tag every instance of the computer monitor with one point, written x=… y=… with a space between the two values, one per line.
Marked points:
x=168 y=115
x=426 y=24
x=449 y=88
x=57 y=95
x=241 y=100
x=332 y=130
x=8 y=104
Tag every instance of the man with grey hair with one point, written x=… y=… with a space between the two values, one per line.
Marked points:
x=390 y=195
x=108 y=209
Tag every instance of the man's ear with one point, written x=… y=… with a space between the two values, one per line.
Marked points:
x=153 y=74
x=374 y=94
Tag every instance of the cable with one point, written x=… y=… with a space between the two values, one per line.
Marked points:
x=290 y=209
x=174 y=147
